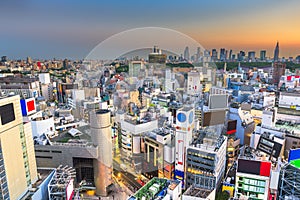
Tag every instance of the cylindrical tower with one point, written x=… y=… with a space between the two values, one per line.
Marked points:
x=101 y=137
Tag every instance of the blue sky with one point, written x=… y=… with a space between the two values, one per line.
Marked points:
x=47 y=29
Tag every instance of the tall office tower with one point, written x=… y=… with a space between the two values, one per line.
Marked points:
x=230 y=55
x=198 y=54
x=276 y=52
x=186 y=54
x=263 y=55
x=101 y=136
x=222 y=54
x=251 y=55
x=214 y=55
x=278 y=71
x=17 y=158
x=241 y=56
x=184 y=129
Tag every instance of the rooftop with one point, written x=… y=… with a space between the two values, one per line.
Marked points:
x=197 y=192
x=156 y=187
x=65 y=137
x=208 y=137
x=43 y=174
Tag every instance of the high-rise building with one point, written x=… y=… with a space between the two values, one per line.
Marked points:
x=198 y=54
x=222 y=54
x=241 y=56
x=157 y=56
x=186 y=54
x=230 y=55
x=276 y=52
x=184 y=129
x=214 y=55
x=263 y=55
x=17 y=158
x=101 y=137
x=135 y=68
x=251 y=55
x=278 y=71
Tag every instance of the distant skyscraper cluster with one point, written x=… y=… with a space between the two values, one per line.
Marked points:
x=225 y=55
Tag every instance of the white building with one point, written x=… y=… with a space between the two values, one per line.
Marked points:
x=194 y=86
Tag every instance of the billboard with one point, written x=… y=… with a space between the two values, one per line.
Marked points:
x=70 y=190
x=269 y=147
x=255 y=167
x=218 y=101
x=214 y=118
x=231 y=126
x=28 y=106
x=294 y=154
x=7 y=113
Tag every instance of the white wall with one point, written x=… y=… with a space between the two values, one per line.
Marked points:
x=42 y=126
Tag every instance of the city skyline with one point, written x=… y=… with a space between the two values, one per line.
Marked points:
x=73 y=29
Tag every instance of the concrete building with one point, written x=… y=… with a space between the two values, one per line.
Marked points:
x=252 y=176
x=278 y=71
x=289 y=100
x=101 y=137
x=206 y=160
x=26 y=87
x=158 y=161
x=42 y=125
x=17 y=158
x=194 y=86
x=183 y=136
x=245 y=123
x=132 y=132
x=89 y=152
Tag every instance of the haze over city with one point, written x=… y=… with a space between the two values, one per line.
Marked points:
x=149 y=100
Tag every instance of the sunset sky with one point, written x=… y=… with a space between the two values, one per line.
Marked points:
x=72 y=28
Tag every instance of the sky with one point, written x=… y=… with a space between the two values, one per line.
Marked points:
x=72 y=28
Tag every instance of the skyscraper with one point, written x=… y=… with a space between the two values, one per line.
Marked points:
x=222 y=54
x=251 y=55
x=186 y=53
x=214 y=55
x=263 y=55
x=17 y=158
x=198 y=54
x=276 y=52
x=241 y=56
x=230 y=55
